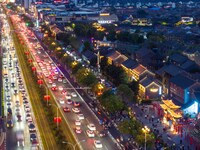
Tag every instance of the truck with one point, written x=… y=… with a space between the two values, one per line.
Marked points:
x=20 y=138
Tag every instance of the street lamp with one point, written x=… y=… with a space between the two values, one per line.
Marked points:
x=56 y=112
x=145 y=130
x=73 y=145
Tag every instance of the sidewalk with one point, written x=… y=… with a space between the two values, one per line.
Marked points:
x=2 y=140
x=145 y=117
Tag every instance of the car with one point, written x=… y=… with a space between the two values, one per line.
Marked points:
x=62 y=101
x=19 y=117
x=78 y=130
x=66 y=109
x=35 y=142
x=54 y=88
x=28 y=116
x=60 y=88
x=9 y=110
x=27 y=108
x=31 y=127
x=91 y=126
x=9 y=104
x=9 y=124
x=59 y=79
x=33 y=136
x=55 y=77
x=69 y=102
x=68 y=96
x=76 y=104
x=90 y=133
x=63 y=92
x=73 y=94
x=98 y=144
x=75 y=110
x=53 y=85
x=64 y=81
x=102 y=133
x=81 y=117
x=20 y=138
x=50 y=81
x=56 y=72
x=77 y=122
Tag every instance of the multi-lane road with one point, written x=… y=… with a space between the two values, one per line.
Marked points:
x=19 y=117
x=54 y=77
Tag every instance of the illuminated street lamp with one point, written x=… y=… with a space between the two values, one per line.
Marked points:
x=145 y=130
x=73 y=145
x=57 y=119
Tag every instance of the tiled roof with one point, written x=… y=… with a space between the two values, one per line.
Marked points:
x=140 y=69
x=120 y=59
x=89 y=55
x=114 y=55
x=170 y=69
x=178 y=58
x=187 y=64
x=182 y=81
x=130 y=64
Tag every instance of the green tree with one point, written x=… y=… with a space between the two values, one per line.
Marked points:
x=80 y=29
x=85 y=77
x=130 y=127
x=103 y=63
x=63 y=37
x=112 y=103
x=76 y=67
x=125 y=92
x=87 y=46
x=150 y=139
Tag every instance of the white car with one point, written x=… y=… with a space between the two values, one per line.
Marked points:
x=53 y=85
x=60 y=88
x=91 y=127
x=77 y=122
x=62 y=101
x=81 y=117
x=64 y=81
x=50 y=81
x=73 y=94
x=98 y=144
x=55 y=77
x=56 y=72
x=75 y=110
x=68 y=96
x=90 y=133
x=59 y=80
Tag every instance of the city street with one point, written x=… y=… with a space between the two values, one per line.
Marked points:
x=43 y=64
x=16 y=99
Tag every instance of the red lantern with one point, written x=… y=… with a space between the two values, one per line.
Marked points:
x=46 y=97
x=40 y=81
x=57 y=119
x=33 y=68
x=30 y=60
x=26 y=53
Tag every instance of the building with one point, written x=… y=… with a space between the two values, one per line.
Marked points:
x=106 y=18
x=165 y=73
x=128 y=66
x=149 y=89
x=180 y=88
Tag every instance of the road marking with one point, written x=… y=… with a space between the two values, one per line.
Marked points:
x=106 y=147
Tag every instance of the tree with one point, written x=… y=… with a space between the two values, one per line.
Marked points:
x=142 y=13
x=111 y=35
x=86 y=77
x=125 y=92
x=130 y=127
x=150 y=140
x=75 y=67
x=87 y=46
x=80 y=29
x=104 y=63
x=63 y=37
x=112 y=103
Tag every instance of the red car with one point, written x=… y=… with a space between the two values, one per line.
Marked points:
x=54 y=88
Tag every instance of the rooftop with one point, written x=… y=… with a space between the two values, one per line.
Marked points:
x=170 y=69
x=182 y=81
x=130 y=64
